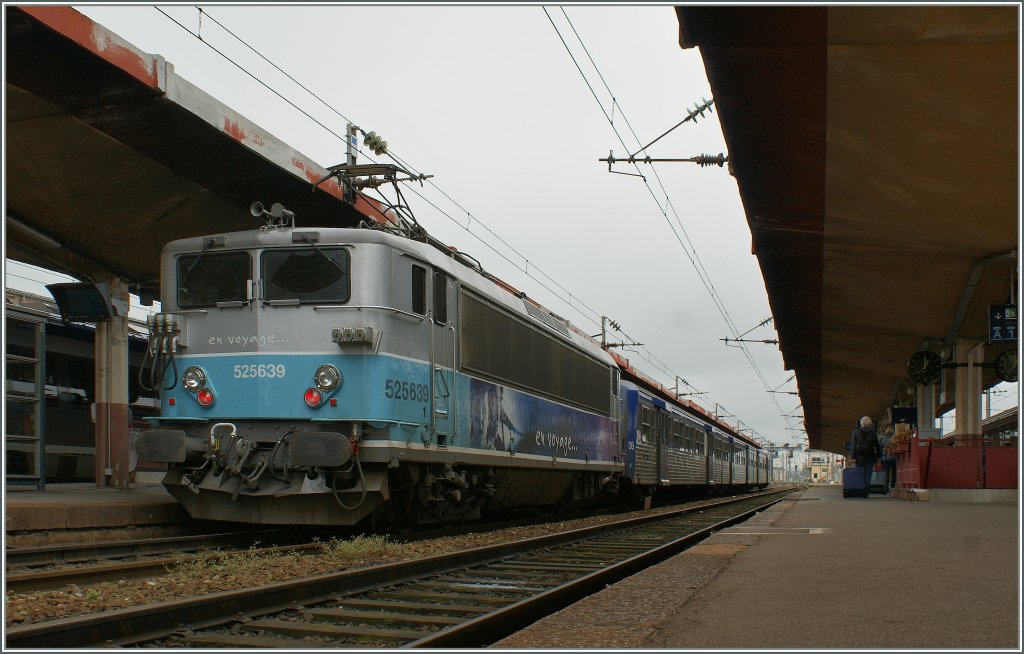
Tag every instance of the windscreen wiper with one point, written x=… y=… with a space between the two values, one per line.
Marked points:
x=323 y=254
x=207 y=244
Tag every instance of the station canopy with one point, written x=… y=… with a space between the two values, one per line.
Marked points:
x=876 y=152
x=110 y=154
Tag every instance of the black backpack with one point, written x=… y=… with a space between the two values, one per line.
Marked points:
x=862 y=442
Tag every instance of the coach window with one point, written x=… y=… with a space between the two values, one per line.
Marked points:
x=440 y=298
x=645 y=421
x=419 y=290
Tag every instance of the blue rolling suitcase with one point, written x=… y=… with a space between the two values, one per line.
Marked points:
x=854 y=484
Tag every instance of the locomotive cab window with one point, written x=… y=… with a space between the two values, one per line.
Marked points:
x=440 y=298
x=206 y=278
x=306 y=274
x=419 y=290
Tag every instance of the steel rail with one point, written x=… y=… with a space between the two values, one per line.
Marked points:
x=491 y=627
x=15 y=557
x=21 y=582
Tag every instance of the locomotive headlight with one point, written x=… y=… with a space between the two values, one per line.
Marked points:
x=194 y=379
x=327 y=378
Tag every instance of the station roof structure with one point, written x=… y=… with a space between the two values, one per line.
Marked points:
x=110 y=154
x=876 y=151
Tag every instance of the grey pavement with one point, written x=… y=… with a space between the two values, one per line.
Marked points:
x=819 y=572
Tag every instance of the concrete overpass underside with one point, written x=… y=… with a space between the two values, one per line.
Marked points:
x=876 y=150
x=110 y=154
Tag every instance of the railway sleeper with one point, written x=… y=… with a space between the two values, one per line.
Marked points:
x=548 y=567
x=491 y=579
x=347 y=615
x=474 y=585
x=249 y=641
x=441 y=597
x=300 y=629
x=422 y=607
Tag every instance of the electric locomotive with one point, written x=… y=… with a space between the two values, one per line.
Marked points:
x=323 y=376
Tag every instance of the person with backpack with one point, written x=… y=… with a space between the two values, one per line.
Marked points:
x=866 y=449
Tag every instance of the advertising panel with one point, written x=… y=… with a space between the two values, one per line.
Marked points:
x=503 y=418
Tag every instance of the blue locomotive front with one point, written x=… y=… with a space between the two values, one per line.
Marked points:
x=325 y=375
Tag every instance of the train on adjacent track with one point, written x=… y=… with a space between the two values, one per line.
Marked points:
x=330 y=376
x=66 y=414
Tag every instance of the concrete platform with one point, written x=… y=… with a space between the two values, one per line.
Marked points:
x=69 y=512
x=818 y=572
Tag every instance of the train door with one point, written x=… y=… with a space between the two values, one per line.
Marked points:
x=664 y=443
x=709 y=454
x=731 y=458
x=442 y=356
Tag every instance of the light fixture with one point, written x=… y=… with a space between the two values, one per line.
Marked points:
x=327 y=378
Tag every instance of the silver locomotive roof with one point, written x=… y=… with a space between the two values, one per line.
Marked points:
x=469 y=277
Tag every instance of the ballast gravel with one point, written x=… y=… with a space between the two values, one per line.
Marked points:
x=213 y=572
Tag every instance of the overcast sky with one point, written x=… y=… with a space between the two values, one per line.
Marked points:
x=489 y=102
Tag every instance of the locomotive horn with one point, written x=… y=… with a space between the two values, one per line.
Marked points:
x=257 y=210
x=277 y=210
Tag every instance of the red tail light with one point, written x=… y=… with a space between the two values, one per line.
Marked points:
x=312 y=398
x=205 y=397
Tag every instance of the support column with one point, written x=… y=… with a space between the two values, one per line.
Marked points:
x=925 y=399
x=968 y=389
x=112 y=453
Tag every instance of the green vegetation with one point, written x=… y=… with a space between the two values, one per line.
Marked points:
x=206 y=563
x=358 y=547
x=335 y=552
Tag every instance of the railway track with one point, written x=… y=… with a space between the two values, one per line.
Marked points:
x=84 y=563
x=54 y=566
x=49 y=567
x=468 y=599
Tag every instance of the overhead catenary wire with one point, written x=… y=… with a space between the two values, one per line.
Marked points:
x=573 y=301
x=690 y=252
x=391 y=154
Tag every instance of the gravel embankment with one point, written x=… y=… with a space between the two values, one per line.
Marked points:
x=212 y=572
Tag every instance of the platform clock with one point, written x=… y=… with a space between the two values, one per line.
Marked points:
x=1007 y=366
x=924 y=367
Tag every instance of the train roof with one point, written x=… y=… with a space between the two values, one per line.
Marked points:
x=656 y=391
x=469 y=273
x=46 y=309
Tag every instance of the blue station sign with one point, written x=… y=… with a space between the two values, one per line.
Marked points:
x=1002 y=323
